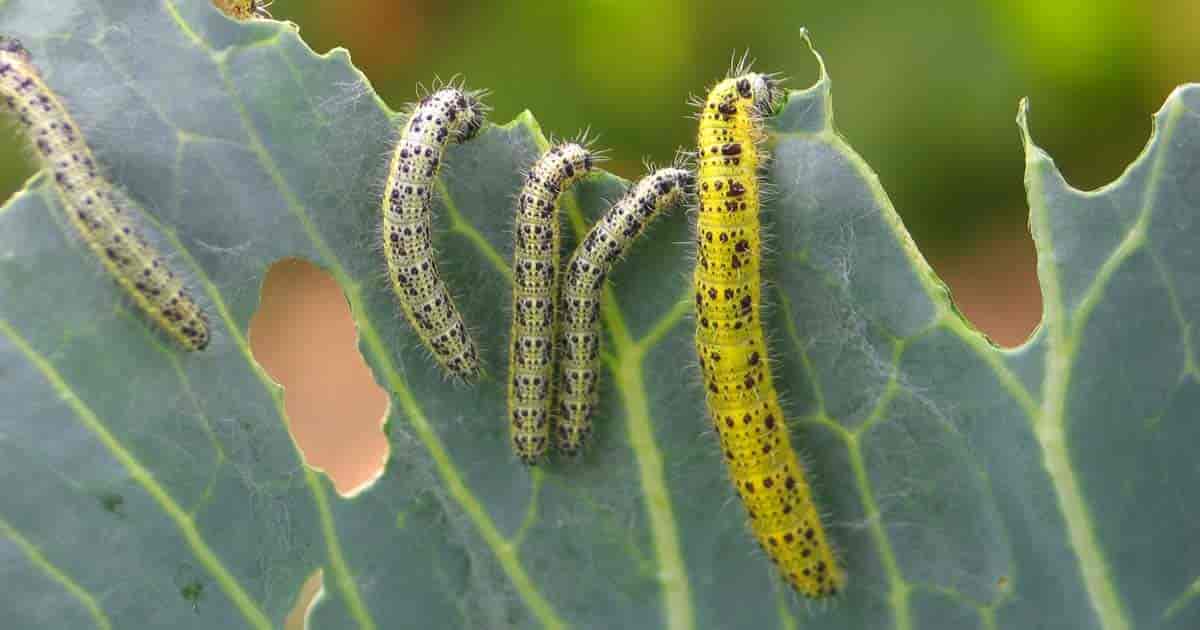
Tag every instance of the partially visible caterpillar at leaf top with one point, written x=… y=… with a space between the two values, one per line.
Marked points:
x=535 y=297
x=448 y=115
x=730 y=342
x=96 y=209
x=244 y=9
x=583 y=280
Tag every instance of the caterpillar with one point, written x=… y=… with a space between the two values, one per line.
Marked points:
x=244 y=9
x=98 y=211
x=448 y=115
x=583 y=279
x=741 y=397
x=535 y=296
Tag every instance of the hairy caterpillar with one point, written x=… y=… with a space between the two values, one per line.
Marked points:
x=535 y=296
x=730 y=343
x=244 y=9
x=448 y=115
x=583 y=279
x=93 y=204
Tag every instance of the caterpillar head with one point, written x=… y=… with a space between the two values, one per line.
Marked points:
x=472 y=113
x=685 y=179
x=672 y=182
x=761 y=89
x=568 y=162
x=10 y=45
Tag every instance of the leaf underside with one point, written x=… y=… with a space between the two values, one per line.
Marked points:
x=966 y=486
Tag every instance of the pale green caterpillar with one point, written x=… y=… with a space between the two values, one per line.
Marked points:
x=98 y=212
x=535 y=296
x=588 y=267
x=448 y=115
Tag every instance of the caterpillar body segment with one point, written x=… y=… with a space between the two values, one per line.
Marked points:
x=535 y=296
x=245 y=9
x=99 y=212
x=448 y=115
x=584 y=275
x=741 y=396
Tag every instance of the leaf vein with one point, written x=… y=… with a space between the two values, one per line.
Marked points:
x=39 y=560
x=144 y=478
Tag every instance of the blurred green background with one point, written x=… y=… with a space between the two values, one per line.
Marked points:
x=926 y=92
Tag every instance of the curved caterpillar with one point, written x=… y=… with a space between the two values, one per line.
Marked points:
x=244 y=9
x=583 y=279
x=535 y=297
x=448 y=115
x=730 y=343
x=93 y=204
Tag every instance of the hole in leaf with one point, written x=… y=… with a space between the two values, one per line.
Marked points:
x=995 y=285
x=304 y=337
x=297 y=619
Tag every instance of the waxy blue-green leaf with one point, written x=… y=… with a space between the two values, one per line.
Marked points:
x=1052 y=486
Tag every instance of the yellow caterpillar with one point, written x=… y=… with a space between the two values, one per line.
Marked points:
x=583 y=280
x=535 y=297
x=244 y=9
x=448 y=115
x=730 y=343
x=92 y=203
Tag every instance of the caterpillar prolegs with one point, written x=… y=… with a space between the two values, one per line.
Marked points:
x=94 y=206
x=741 y=396
x=535 y=296
x=448 y=115
x=583 y=280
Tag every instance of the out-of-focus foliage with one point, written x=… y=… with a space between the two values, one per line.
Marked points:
x=927 y=94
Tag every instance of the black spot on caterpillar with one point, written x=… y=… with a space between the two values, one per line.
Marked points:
x=583 y=280
x=535 y=296
x=448 y=115
x=93 y=204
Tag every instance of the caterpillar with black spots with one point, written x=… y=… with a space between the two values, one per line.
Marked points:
x=93 y=204
x=244 y=9
x=451 y=114
x=532 y=340
x=740 y=393
x=585 y=272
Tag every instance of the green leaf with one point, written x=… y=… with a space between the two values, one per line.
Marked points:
x=967 y=486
